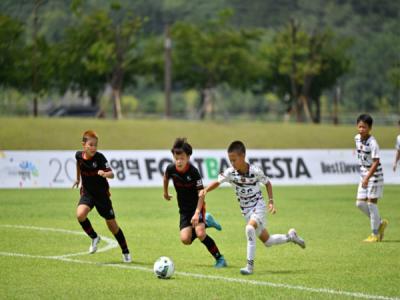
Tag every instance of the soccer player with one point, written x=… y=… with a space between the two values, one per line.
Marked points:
x=94 y=170
x=188 y=184
x=246 y=179
x=370 y=188
x=397 y=158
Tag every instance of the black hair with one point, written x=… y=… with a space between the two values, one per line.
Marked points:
x=237 y=146
x=366 y=118
x=181 y=146
x=398 y=122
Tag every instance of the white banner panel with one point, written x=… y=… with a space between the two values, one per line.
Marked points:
x=144 y=168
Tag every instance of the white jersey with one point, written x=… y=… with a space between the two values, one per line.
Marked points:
x=367 y=151
x=247 y=186
x=398 y=142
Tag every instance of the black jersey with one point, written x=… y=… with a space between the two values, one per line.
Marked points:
x=93 y=183
x=187 y=185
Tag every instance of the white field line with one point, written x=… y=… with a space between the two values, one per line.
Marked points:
x=65 y=258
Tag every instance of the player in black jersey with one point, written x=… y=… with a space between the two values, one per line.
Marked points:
x=94 y=170
x=188 y=184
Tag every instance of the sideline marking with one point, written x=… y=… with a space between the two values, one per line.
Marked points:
x=110 y=242
x=65 y=258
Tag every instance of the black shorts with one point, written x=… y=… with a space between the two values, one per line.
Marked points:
x=103 y=205
x=185 y=218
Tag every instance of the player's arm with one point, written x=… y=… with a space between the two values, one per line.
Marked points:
x=200 y=204
x=396 y=160
x=106 y=174
x=78 y=176
x=211 y=186
x=271 y=204
x=167 y=196
x=371 y=172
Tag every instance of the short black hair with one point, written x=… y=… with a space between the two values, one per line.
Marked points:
x=366 y=118
x=237 y=146
x=181 y=146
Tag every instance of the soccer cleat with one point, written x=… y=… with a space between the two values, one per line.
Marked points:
x=294 y=238
x=93 y=245
x=211 y=222
x=126 y=257
x=221 y=262
x=381 y=229
x=372 y=239
x=246 y=271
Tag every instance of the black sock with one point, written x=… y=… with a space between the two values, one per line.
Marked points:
x=211 y=246
x=121 y=241
x=194 y=235
x=87 y=227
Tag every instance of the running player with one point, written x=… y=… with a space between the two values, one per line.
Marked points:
x=246 y=179
x=188 y=184
x=370 y=188
x=94 y=170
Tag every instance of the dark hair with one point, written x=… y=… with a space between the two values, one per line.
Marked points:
x=237 y=146
x=398 y=122
x=181 y=146
x=366 y=118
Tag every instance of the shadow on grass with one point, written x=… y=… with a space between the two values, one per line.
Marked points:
x=390 y=241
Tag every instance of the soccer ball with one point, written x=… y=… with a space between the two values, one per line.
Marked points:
x=164 y=267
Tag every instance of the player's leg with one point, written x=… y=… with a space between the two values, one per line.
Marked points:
x=105 y=209
x=210 y=244
x=186 y=235
x=84 y=207
x=120 y=237
x=375 y=192
x=361 y=202
x=250 y=231
x=211 y=222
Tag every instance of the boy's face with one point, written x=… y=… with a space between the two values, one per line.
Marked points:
x=181 y=160
x=237 y=160
x=363 y=129
x=90 y=147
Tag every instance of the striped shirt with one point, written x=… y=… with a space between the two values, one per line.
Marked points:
x=247 y=186
x=367 y=151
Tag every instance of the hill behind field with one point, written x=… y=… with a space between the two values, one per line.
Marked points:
x=60 y=134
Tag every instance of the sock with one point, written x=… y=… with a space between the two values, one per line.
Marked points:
x=119 y=236
x=211 y=247
x=277 y=239
x=194 y=235
x=374 y=217
x=363 y=206
x=87 y=227
x=251 y=246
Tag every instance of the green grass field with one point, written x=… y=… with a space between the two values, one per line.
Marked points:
x=335 y=265
x=65 y=134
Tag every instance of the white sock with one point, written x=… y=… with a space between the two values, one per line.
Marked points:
x=363 y=206
x=277 y=239
x=374 y=217
x=251 y=245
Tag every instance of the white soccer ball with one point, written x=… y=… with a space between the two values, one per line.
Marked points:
x=164 y=267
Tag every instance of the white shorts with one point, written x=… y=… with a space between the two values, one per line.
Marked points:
x=373 y=191
x=258 y=215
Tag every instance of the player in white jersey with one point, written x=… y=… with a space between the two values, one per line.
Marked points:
x=397 y=158
x=246 y=180
x=370 y=188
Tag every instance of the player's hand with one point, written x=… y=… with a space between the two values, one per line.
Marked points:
x=364 y=183
x=394 y=167
x=195 y=219
x=101 y=173
x=271 y=207
x=76 y=184
x=202 y=193
x=167 y=197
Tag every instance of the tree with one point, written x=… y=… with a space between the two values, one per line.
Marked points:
x=209 y=55
x=303 y=65
x=100 y=50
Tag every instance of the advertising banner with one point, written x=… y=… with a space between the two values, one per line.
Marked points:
x=145 y=168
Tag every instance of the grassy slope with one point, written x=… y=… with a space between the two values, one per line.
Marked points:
x=43 y=133
x=326 y=217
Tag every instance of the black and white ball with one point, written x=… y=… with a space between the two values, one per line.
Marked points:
x=164 y=267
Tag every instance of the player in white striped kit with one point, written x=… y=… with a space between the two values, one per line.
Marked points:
x=246 y=179
x=370 y=188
